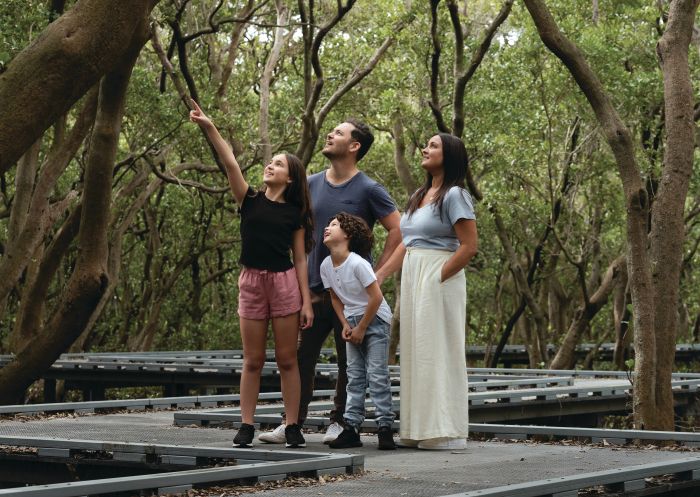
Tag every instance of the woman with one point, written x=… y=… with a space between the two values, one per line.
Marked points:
x=439 y=239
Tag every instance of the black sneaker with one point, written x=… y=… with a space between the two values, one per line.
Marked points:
x=294 y=437
x=244 y=437
x=348 y=438
x=386 y=438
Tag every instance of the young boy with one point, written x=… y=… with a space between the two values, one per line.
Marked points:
x=365 y=315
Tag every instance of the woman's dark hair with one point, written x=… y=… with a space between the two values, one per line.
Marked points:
x=360 y=237
x=454 y=163
x=297 y=193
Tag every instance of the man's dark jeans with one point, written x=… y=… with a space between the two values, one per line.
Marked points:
x=309 y=350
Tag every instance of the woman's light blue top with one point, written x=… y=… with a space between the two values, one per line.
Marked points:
x=425 y=229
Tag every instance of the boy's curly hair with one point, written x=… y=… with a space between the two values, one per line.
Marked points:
x=360 y=237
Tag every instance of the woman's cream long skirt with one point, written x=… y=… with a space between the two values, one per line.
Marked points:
x=433 y=365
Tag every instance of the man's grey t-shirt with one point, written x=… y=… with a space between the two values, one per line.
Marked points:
x=360 y=195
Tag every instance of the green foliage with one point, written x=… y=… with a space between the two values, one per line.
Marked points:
x=178 y=263
x=21 y=21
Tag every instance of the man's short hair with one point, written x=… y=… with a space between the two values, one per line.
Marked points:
x=363 y=135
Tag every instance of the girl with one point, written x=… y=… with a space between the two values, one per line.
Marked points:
x=274 y=220
x=439 y=239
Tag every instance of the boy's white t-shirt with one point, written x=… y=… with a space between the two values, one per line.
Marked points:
x=349 y=282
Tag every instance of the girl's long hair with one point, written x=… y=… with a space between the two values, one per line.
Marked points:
x=297 y=193
x=454 y=163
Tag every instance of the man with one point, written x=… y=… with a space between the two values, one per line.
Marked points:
x=340 y=188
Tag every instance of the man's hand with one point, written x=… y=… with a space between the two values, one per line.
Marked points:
x=381 y=276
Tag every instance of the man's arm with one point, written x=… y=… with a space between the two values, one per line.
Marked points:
x=391 y=223
x=392 y=264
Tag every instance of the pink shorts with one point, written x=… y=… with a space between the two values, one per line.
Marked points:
x=268 y=294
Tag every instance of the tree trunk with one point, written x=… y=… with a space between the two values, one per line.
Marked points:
x=524 y=328
x=31 y=310
x=221 y=77
x=464 y=74
x=636 y=201
x=89 y=278
x=566 y=355
x=558 y=301
x=667 y=221
x=25 y=178
x=26 y=236
x=311 y=120
x=24 y=185
x=401 y=163
x=115 y=249
x=403 y=171
x=595 y=12
x=266 y=79
x=45 y=79
x=621 y=317
x=525 y=291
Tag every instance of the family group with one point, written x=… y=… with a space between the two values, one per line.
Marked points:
x=307 y=269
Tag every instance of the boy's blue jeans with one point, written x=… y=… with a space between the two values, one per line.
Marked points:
x=368 y=365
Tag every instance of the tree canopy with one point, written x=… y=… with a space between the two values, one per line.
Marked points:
x=553 y=206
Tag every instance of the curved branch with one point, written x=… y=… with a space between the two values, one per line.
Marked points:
x=182 y=92
x=280 y=39
x=435 y=69
x=403 y=169
x=323 y=31
x=44 y=80
x=357 y=75
x=172 y=179
x=464 y=76
x=31 y=234
x=245 y=15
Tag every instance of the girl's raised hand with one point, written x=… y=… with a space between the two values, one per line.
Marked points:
x=198 y=116
x=238 y=184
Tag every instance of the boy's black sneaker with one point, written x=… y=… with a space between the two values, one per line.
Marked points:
x=294 y=437
x=244 y=437
x=386 y=438
x=348 y=438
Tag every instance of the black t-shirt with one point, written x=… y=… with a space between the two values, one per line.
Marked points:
x=266 y=232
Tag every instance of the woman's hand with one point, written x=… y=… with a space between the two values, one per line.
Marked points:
x=307 y=316
x=468 y=244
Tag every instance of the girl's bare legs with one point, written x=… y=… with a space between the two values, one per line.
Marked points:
x=254 y=335
x=286 y=330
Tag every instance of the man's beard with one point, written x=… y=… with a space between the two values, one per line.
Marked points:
x=330 y=155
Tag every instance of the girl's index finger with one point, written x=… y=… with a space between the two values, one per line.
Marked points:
x=194 y=105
